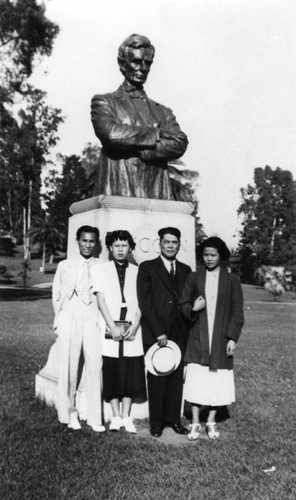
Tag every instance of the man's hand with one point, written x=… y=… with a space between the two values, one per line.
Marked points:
x=162 y=340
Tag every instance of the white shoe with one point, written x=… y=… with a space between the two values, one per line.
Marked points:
x=194 y=432
x=115 y=424
x=98 y=428
x=75 y=425
x=129 y=426
x=212 y=430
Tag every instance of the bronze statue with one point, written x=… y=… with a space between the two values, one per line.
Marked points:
x=139 y=136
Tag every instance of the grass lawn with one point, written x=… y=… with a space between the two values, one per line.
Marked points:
x=41 y=459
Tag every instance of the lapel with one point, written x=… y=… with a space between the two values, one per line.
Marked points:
x=181 y=274
x=221 y=297
x=114 y=283
x=203 y=318
x=202 y=282
x=73 y=269
x=163 y=274
x=124 y=104
x=127 y=107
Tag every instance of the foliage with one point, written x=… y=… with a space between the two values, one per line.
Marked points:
x=284 y=276
x=4 y=273
x=62 y=191
x=50 y=234
x=184 y=184
x=268 y=235
x=89 y=161
x=23 y=155
x=27 y=124
x=25 y=33
x=274 y=279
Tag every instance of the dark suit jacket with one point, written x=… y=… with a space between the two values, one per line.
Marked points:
x=229 y=319
x=158 y=302
x=134 y=159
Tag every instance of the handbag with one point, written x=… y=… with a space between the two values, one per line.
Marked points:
x=122 y=325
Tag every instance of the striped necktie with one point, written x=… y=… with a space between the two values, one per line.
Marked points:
x=172 y=270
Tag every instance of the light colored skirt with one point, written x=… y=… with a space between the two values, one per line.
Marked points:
x=208 y=387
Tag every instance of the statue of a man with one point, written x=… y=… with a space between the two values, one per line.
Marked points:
x=138 y=135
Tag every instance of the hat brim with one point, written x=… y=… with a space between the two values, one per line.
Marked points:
x=152 y=350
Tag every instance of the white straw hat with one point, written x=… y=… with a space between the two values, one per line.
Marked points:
x=163 y=360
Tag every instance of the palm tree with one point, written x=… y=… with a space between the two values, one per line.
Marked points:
x=50 y=234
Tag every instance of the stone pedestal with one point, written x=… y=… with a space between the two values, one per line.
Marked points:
x=142 y=218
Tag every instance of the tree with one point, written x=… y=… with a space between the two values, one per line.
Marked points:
x=25 y=33
x=184 y=184
x=50 y=234
x=23 y=155
x=268 y=235
x=89 y=162
x=62 y=191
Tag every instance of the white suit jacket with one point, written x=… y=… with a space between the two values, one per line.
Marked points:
x=64 y=285
x=105 y=280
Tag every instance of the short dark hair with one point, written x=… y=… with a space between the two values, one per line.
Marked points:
x=87 y=229
x=169 y=230
x=131 y=43
x=213 y=242
x=122 y=235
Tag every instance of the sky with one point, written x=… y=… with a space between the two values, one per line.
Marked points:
x=225 y=67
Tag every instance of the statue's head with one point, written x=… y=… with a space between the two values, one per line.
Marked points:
x=135 y=56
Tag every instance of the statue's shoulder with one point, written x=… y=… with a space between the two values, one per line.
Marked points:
x=109 y=96
x=160 y=107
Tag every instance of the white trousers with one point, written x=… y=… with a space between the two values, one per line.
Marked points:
x=77 y=329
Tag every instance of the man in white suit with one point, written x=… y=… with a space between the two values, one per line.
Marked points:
x=76 y=325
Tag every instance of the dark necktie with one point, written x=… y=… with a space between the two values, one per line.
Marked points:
x=172 y=270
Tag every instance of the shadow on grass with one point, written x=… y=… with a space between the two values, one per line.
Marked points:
x=10 y=294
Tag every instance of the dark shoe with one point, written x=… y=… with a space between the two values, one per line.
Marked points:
x=177 y=428
x=156 y=432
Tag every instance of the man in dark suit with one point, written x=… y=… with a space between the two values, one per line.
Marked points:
x=138 y=135
x=159 y=286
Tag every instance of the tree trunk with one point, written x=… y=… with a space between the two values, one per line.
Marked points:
x=43 y=257
x=29 y=217
x=10 y=211
x=25 y=233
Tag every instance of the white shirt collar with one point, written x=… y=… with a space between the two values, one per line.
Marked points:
x=215 y=273
x=82 y=260
x=168 y=263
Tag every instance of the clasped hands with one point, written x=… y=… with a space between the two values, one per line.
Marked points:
x=117 y=333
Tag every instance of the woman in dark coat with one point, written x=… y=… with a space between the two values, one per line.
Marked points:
x=212 y=300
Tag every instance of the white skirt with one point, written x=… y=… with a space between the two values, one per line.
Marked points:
x=208 y=387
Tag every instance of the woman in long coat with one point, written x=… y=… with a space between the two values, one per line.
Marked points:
x=212 y=300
